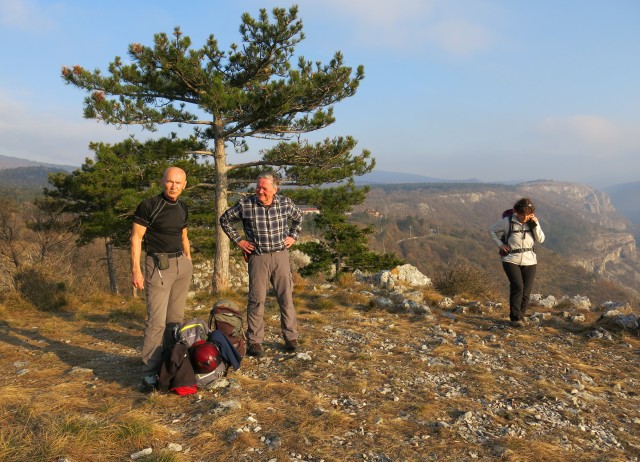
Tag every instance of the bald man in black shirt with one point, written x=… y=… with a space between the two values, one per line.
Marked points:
x=161 y=221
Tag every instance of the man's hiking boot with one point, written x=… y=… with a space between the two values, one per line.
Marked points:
x=517 y=323
x=291 y=345
x=255 y=349
x=148 y=384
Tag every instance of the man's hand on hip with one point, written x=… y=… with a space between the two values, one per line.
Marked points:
x=247 y=246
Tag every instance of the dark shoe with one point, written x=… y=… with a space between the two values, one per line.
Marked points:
x=517 y=323
x=255 y=349
x=291 y=345
x=148 y=384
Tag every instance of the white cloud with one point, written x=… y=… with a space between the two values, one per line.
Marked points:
x=591 y=129
x=9 y=107
x=588 y=147
x=25 y=15
x=412 y=24
x=584 y=148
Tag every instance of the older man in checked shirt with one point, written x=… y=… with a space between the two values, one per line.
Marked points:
x=271 y=224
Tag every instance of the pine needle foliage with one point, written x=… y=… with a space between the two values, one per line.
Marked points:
x=344 y=246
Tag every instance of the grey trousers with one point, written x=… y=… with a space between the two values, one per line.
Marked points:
x=166 y=293
x=270 y=268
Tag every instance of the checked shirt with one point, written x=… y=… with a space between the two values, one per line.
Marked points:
x=265 y=226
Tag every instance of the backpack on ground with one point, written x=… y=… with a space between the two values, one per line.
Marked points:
x=225 y=316
x=207 y=363
x=186 y=332
x=190 y=332
x=179 y=372
x=209 y=379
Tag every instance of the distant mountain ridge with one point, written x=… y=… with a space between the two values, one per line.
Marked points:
x=624 y=197
x=8 y=162
x=386 y=177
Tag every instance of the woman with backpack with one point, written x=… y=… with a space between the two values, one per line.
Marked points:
x=515 y=235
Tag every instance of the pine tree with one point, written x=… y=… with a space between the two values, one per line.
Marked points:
x=344 y=245
x=250 y=91
x=105 y=191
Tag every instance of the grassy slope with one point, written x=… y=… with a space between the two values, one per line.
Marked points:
x=379 y=386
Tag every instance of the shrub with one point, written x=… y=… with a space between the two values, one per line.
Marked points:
x=41 y=289
x=464 y=279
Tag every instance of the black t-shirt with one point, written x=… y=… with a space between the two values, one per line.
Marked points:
x=164 y=221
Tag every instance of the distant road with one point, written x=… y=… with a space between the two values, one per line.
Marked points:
x=415 y=237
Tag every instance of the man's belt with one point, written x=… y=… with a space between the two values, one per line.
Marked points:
x=169 y=255
x=269 y=253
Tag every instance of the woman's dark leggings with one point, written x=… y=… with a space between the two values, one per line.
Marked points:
x=520 y=284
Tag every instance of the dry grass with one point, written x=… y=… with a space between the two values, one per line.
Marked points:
x=379 y=386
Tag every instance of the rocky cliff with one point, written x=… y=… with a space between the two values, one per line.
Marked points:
x=608 y=244
x=607 y=249
x=590 y=204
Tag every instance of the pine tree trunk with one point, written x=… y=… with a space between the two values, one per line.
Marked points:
x=111 y=266
x=220 y=281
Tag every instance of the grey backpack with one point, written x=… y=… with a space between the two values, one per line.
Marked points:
x=187 y=332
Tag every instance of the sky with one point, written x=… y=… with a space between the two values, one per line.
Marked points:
x=493 y=90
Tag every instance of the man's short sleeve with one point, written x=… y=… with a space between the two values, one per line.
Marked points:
x=142 y=215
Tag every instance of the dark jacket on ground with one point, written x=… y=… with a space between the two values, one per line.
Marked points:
x=176 y=370
x=228 y=353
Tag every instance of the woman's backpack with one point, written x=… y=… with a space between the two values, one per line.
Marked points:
x=508 y=229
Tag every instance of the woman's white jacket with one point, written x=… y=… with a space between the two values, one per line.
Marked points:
x=523 y=236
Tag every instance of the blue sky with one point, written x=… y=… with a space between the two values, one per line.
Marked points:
x=496 y=90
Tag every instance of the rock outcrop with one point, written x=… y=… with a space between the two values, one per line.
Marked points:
x=604 y=249
x=595 y=206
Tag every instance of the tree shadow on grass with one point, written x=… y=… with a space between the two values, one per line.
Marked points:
x=109 y=367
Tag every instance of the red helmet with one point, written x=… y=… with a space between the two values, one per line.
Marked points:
x=205 y=357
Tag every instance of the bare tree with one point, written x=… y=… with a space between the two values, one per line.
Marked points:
x=12 y=229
